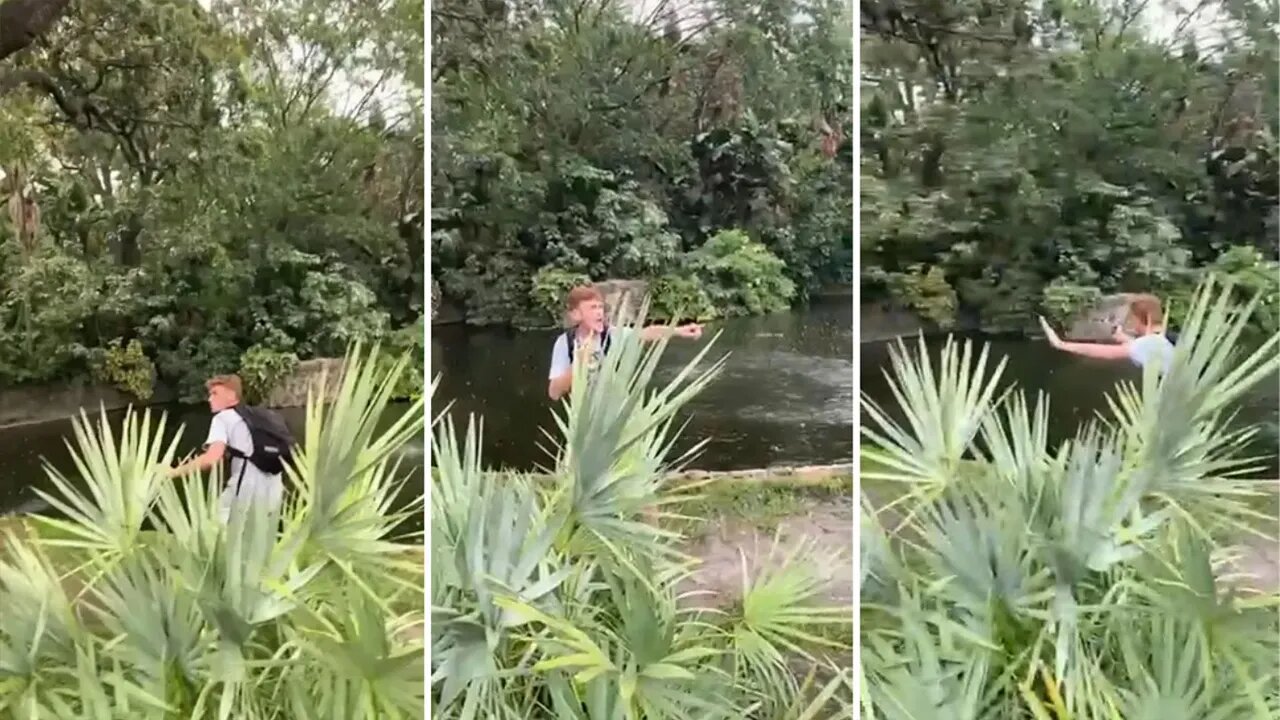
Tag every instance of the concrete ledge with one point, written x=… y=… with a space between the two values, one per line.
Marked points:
x=43 y=403
x=292 y=391
x=781 y=475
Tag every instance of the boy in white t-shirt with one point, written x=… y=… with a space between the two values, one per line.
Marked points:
x=589 y=333
x=228 y=430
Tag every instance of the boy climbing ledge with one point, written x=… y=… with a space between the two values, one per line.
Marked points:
x=589 y=336
x=1149 y=346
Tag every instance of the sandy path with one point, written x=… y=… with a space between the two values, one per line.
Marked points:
x=828 y=524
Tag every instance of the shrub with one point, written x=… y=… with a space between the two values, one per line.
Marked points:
x=553 y=598
x=1021 y=580
x=551 y=286
x=680 y=297
x=127 y=368
x=409 y=342
x=139 y=603
x=741 y=276
x=1250 y=275
x=927 y=292
x=1064 y=300
x=262 y=369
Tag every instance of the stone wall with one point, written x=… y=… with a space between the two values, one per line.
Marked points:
x=883 y=321
x=293 y=390
x=1098 y=323
x=623 y=293
x=39 y=404
x=783 y=474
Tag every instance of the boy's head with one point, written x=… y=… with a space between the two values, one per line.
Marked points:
x=224 y=392
x=586 y=308
x=1146 y=310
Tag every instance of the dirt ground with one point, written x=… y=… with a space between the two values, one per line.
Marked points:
x=828 y=524
x=1256 y=565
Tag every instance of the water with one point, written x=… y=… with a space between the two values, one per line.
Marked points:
x=1077 y=387
x=25 y=449
x=785 y=397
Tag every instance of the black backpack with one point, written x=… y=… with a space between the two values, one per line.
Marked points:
x=570 y=340
x=272 y=441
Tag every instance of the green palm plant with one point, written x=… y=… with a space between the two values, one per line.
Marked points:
x=562 y=594
x=1076 y=581
x=141 y=603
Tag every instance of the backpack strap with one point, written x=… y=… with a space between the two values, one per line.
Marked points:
x=236 y=454
x=569 y=341
x=230 y=449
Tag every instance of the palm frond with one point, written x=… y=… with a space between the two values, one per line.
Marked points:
x=617 y=438
x=119 y=478
x=942 y=414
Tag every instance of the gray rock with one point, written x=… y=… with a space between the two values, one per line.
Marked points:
x=623 y=295
x=1098 y=323
x=293 y=390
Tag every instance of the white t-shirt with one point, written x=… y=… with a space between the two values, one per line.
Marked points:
x=561 y=363
x=1151 y=348
x=228 y=427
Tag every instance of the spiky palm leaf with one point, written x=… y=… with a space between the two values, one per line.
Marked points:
x=39 y=629
x=345 y=470
x=119 y=478
x=616 y=436
x=198 y=618
x=781 y=606
x=942 y=413
x=1087 y=567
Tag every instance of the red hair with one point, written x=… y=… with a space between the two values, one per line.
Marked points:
x=581 y=294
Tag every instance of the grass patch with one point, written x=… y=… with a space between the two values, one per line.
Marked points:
x=756 y=502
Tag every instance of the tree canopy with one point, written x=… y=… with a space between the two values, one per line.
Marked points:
x=1021 y=157
x=198 y=187
x=588 y=140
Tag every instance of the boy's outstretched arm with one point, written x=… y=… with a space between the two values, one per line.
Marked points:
x=654 y=333
x=1116 y=351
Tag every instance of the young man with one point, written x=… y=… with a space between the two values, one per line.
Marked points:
x=1150 y=346
x=591 y=337
x=229 y=435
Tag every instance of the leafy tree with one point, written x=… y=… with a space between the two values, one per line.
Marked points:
x=583 y=139
x=208 y=178
x=1011 y=147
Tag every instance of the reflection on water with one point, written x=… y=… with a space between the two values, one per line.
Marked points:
x=25 y=449
x=785 y=396
x=1077 y=387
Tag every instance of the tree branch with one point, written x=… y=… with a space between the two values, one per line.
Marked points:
x=72 y=107
x=22 y=21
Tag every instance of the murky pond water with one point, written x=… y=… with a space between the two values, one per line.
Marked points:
x=785 y=397
x=25 y=450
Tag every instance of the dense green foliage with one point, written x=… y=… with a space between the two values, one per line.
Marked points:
x=565 y=595
x=1024 y=156
x=1005 y=578
x=211 y=183
x=139 y=603
x=574 y=139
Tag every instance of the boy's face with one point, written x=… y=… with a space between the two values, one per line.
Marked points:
x=589 y=315
x=221 y=398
